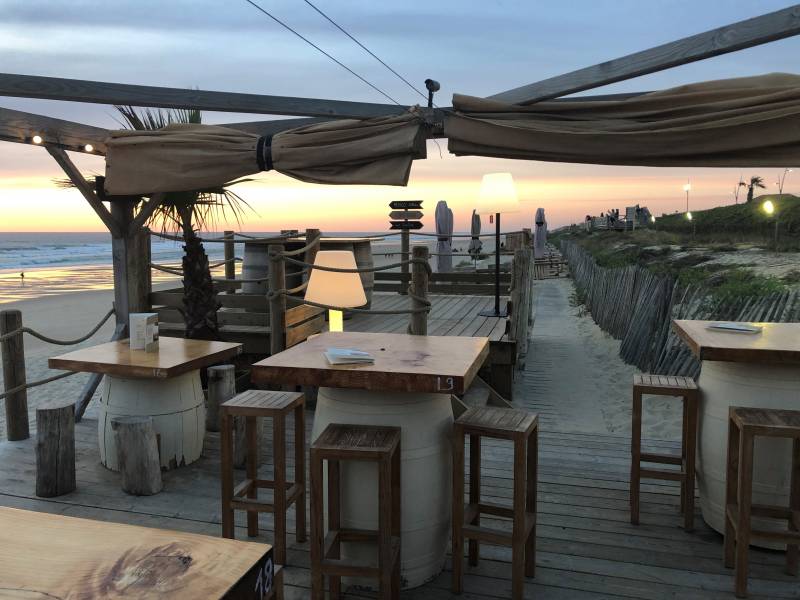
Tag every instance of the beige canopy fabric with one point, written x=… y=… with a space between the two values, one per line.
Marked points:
x=184 y=157
x=751 y=121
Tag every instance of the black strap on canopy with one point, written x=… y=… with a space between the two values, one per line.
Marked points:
x=264 y=153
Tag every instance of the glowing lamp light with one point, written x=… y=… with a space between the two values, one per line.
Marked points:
x=88 y=148
x=768 y=207
x=652 y=218
x=497 y=195
x=687 y=187
x=37 y=139
x=335 y=288
x=688 y=216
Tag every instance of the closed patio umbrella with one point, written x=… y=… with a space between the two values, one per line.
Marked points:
x=539 y=234
x=190 y=157
x=444 y=237
x=475 y=244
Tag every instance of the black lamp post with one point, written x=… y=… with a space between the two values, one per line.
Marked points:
x=498 y=195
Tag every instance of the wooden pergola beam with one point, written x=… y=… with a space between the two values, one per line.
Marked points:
x=20 y=127
x=722 y=40
x=98 y=92
x=86 y=190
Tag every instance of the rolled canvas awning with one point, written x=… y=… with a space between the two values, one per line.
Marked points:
x=184 y=157
x=751 y=121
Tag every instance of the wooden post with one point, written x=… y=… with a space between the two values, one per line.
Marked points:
x=13 y=352
x=405 y=241
x=137 y=454
x=419 y=287
x=221 y=387
x=240 y=446
x=55 y=450
x=311 y=253
x=277 y=303
x=230 y=263
x=131 y=255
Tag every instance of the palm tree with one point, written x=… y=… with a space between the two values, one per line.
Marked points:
x=186 y=213
x=755 y=182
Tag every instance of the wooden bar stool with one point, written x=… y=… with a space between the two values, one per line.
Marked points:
x=522 y=428
x=250 y=405
x=686 y=389
x=362 y=443
x=744 y=425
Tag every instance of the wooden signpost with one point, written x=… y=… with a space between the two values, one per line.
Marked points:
x=405 y=216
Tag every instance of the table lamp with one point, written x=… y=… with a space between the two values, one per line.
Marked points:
x=498 y=195
x=335 y=288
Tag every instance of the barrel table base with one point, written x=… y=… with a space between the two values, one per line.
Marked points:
x=426 y=421
x=176 y=405
x=726 y=384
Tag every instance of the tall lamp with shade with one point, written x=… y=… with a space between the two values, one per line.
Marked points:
x=335 y=288
x=498 y=195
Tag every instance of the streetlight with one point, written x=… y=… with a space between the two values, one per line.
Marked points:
x=689 y=218
x=686 y=187
x=782 y=179
x=769 y=208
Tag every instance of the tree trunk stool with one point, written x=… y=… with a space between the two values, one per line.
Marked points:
x=250 y=405
x=522 y=428
x=363 y=443
x=687 y=390
x=744 y=425
x=55 y=449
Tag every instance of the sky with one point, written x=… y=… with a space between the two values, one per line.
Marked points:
x=472 y=47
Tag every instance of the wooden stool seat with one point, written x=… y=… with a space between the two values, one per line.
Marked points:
x=744 y=425
x=521 y=428
x=687 y=390
x=251 y=405
x=359 y=443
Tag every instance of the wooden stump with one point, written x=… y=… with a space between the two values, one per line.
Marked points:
x=221 y=387
x=137 y=455
x=55 y=450
x=240 y=441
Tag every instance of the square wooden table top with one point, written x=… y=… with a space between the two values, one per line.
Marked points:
x=54 y=556
x=403 y=363
x=175 y=356
x=777 y=343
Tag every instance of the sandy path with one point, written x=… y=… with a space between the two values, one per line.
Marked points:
x=575 y=378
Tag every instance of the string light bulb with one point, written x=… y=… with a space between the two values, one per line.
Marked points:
x=37 y=139
x=688 y=215
x=88 y=148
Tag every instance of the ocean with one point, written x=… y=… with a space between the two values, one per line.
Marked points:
x=58 y=263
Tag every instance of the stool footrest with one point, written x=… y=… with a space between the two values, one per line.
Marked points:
x=769 y=512
x=336 y=536
x=665 y=459
x=660 y=474
x=473 y=511
x=497 y=536
x=293 y=490
x=348 y=568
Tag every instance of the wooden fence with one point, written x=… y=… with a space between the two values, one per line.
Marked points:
x=637 y=306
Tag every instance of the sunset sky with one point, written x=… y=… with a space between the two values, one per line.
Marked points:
x=477 y=48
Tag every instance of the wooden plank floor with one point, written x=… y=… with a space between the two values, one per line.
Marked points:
x=450 y=315
x=586 y=545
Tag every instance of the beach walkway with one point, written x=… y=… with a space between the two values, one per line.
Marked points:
x=586 y=546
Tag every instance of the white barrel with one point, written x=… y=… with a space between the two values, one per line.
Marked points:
x=255 y=265
x=426 y=422
x=726 y=384
x=176 y=405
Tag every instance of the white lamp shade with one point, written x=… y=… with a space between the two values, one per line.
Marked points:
x=335 y=289
x=498 y=195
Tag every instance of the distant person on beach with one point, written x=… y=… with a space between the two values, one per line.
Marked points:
x=22 y=277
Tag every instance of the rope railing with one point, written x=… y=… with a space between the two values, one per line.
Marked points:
x=282 y=256
x=363 y=311
x=248 y=238
x=57 y=342
x=179 y=271
x=33 y=384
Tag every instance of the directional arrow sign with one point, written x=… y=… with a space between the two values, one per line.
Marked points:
x=406 y=225
x=404 y=204
x=396 y=215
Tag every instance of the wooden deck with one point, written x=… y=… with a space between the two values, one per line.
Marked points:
x=586 y=546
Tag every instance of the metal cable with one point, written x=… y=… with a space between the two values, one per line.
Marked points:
x=312 y=44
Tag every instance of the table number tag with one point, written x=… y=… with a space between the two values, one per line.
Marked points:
x=448 y=384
